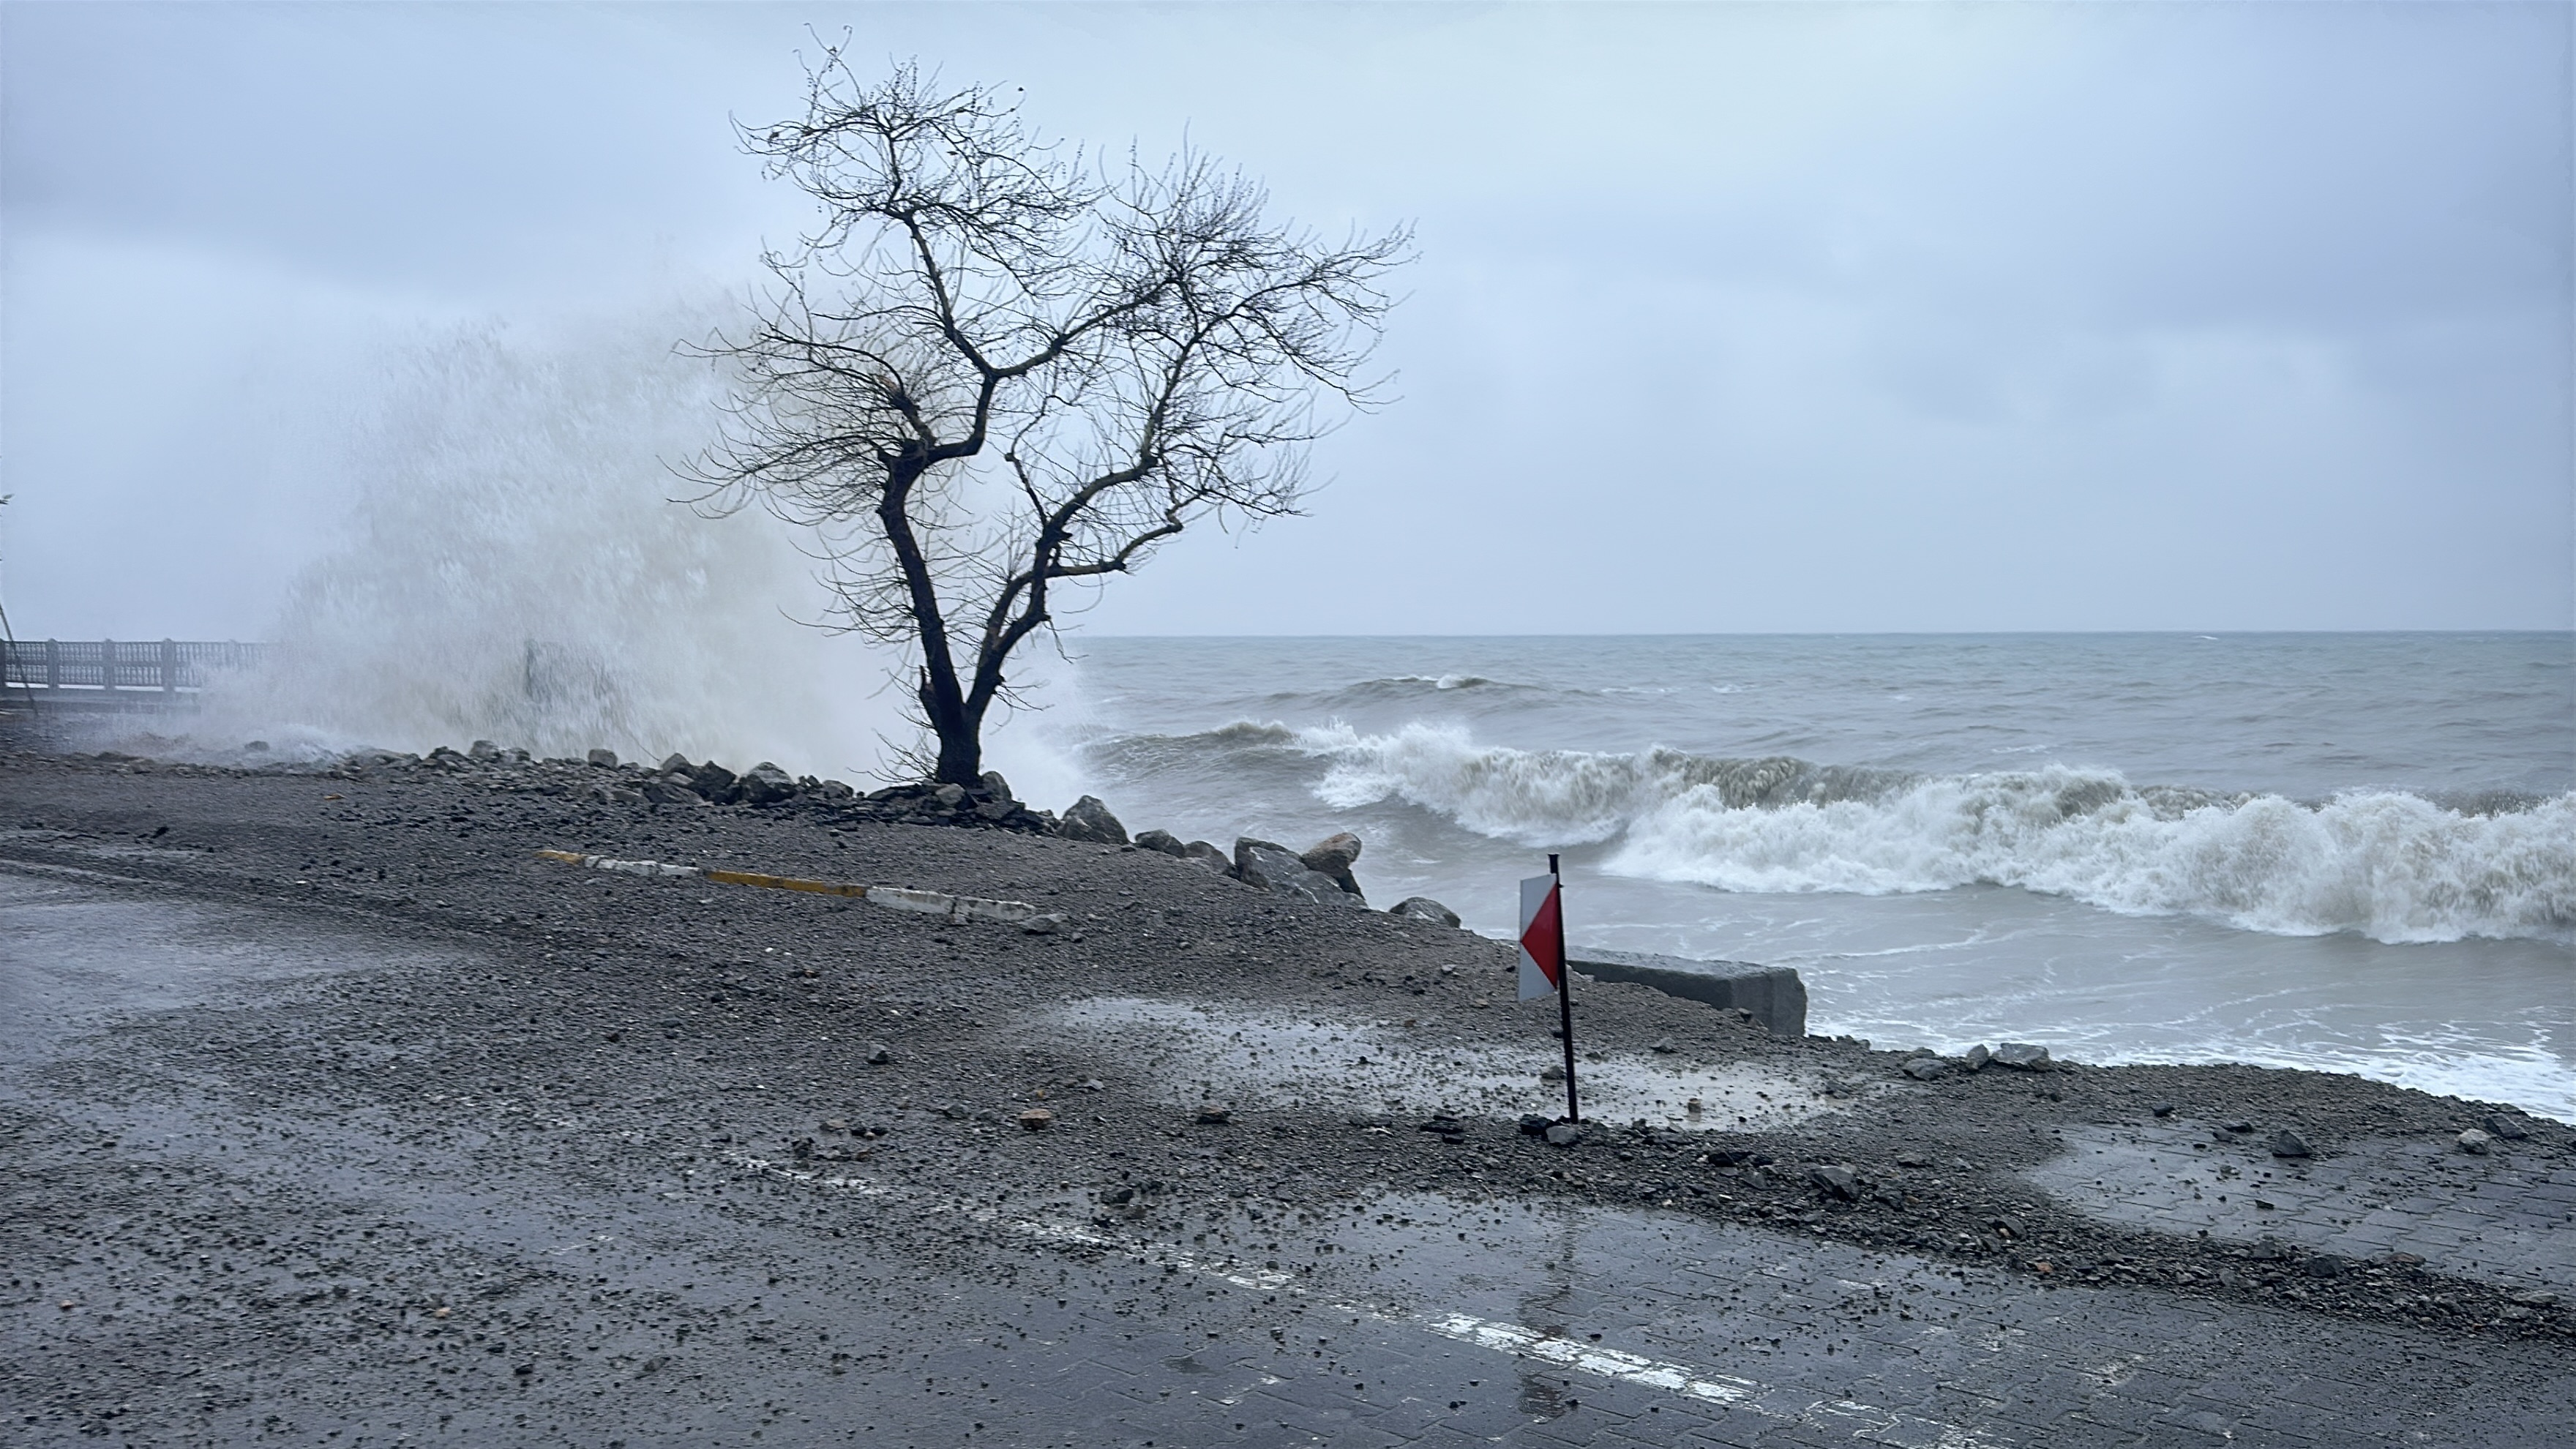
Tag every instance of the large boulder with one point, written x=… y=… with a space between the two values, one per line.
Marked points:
x=1424 y=908
x=1201 y=852
x=1162 y=840
x=714 y=781
x=1334 y=856
x=1088 y=819
x=767 y=784
x=1273 y=867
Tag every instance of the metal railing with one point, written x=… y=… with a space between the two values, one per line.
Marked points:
x=114 y=674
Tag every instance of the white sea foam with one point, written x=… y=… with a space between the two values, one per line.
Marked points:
x=2390 y=865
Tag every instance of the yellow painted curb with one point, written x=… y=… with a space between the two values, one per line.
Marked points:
x=893 y=898
x=783 y=882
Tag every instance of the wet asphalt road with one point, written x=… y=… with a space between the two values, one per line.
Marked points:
x=189 y=1260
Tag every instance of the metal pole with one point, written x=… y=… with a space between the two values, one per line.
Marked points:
x=1565 y=998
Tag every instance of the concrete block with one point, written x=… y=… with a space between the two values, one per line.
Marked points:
x=1773 y=994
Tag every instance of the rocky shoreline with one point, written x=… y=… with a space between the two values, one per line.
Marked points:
x=931 y=1041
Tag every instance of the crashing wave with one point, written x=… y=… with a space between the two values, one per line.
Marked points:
x=2391 y=865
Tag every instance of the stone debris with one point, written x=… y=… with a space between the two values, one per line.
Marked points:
x=879 y=1054
x=1045 y=925
x=1424 y=908
x=1835 y=1178
x=1926 y=1069
x=1036 y=1119
x=603 y=759
x=1976 y=1057
x=2022 y=1056
x=1563 y=1134
x=2287 y=1143
x=2497 y=1124
x=1268 y=865
x=1215 y=1116
x=2476 y=1142
x=1088 y=819
x=1332 y=857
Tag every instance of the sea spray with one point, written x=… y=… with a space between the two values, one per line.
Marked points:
x=521 y=564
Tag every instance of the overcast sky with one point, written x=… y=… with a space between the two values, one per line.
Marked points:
x=1727 y=317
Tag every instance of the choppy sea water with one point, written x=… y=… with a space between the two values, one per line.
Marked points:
x=2355 y=852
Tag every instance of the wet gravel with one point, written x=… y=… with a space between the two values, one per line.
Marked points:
x=638 y=1032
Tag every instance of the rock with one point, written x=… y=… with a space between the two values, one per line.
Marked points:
x=1533 y=1125
x=1205 y=853
x=1334 y=854
x=2287 y=1143
x=1036 y=1119
x=1926 y=1069
x=997 y=788
x=487 y=752
x=605 y=759
x=879 y=1054
x=2023 y=1057
x=1088 y=819
x=1332 y=858
x=766 y=785
x=1162 y=840
x=2162 y=1109
x=2511 y=1129
x=663 y=792
x=2475 y=1141
x=1273 y=867
x=675 y=764
x=1424 y=908
x=1664 y=1044
x=1976 y=1057
x=1837 y=1179
x=1046 y=925
x=2325 y=1265
x=1215 y=1116
x=1563 y=1134
x=714 y=781
x=949 y=796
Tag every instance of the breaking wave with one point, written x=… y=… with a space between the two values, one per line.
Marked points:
x=2390 y=865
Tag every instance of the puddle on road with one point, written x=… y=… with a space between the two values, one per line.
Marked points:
x=1247 y=1059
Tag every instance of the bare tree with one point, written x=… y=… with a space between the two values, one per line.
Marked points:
x=996 y=371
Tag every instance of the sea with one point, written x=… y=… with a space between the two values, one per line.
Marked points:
x=2348 y=852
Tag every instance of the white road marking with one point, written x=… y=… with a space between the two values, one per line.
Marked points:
x=1856 y=1419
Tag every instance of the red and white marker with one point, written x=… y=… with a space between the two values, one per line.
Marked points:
x=1543 y=963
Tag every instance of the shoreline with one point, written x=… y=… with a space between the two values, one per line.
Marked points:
x=443 y=853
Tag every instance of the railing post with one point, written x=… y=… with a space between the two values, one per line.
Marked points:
x=107 y=665
x=169 y=666
x=54 y=667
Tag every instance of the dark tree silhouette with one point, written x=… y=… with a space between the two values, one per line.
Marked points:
x=996 y=371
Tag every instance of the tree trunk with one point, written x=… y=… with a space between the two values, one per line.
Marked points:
x=960 y=732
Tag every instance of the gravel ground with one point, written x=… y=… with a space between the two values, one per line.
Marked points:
x=656 y=1038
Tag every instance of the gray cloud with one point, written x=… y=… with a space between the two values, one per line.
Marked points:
x=1758 y=317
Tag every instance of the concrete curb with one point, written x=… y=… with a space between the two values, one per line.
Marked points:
x=893 y=898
